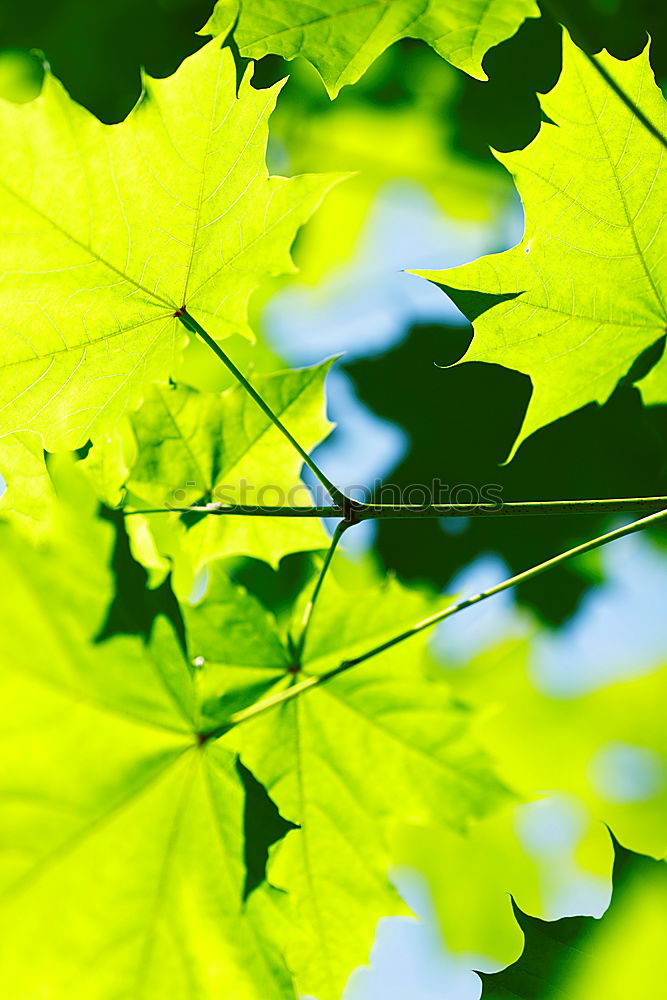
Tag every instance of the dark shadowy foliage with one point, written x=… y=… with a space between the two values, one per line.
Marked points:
x=97 y=49
x=609 y=451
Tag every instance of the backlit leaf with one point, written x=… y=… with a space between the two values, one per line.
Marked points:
x=571 y=958
x=122 y=850
x=108 y=230
x=347 y=761
x=343 y=37
x=198 y=447
x=585 y=292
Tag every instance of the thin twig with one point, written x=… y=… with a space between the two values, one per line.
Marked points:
x=252 y=711
x=559 y=14
x=369 y=511
x=246 y=510
x=191 y=324
x=300 y=644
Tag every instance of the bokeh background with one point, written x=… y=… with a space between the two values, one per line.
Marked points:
x=563 y=655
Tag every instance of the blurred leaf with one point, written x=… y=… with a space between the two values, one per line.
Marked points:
x=594 y=758
x=381 y=144
x=572 y=744
x=578 y=957
x=98 y=49
x=21 y=75
x=28 y=493
x=474 y=876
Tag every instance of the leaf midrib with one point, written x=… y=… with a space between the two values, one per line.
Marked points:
x=437 y=763
x=152 y=295
x=319 y=20
x=99 y=820
x=88 y=343
x=621 y=192
x=268 y=426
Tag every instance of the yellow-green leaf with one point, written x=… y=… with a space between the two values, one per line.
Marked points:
x=121 y=836
x=107 y=231
x=376 y=746
x=343 y=37
x=203 y=447
x=585 y=292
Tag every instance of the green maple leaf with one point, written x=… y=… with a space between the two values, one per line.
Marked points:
x=601 y=754
x=220 y=447
x=623 y=947
x=570 y=744
x=107 y=231
x=122 y=847
x=585 y=292
x=235 y=642
x=347 y=761
x=29 y=499
x=106 y=467
x=341 y=38
x=472 y=877
x=28 y=491
x=463 y=32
